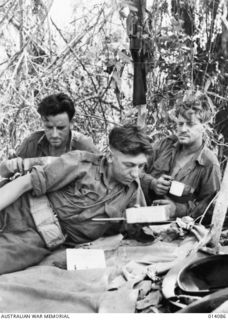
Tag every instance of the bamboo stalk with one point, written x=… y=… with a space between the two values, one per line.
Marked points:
x=220 y=210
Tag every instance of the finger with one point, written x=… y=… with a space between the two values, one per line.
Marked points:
x=165 y=183
x=136 y=206
x=167 y=177
x=164 y=187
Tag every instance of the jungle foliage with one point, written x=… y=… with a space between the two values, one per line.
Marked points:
x=184 y=45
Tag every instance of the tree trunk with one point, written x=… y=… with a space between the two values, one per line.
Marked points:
x=139 y=86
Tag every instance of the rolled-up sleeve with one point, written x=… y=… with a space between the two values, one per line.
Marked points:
x=39 y=185
x=57 y=174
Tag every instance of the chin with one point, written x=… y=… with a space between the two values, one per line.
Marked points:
x=183 y=141
x=55 y=145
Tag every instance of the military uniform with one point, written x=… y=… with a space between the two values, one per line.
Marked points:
x=37 y=145
x=77 y=189
x=201 y=176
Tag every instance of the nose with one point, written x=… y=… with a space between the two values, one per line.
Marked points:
x=183 y=127
x=135 y=172
x=54 y=133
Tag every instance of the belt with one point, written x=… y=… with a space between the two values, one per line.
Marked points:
x=46 y=222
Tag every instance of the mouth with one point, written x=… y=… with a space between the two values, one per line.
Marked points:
x=55 y=141
x=126 y=181
x=129 y=181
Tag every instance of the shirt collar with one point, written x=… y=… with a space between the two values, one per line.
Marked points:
x=199 y=155
x=103 y=169
x=44 y=144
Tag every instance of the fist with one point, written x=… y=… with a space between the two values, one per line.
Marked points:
x=162 y=185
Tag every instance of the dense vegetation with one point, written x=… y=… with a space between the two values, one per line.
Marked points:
x=184 y=45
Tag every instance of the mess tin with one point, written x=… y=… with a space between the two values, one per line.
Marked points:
x=153 y=214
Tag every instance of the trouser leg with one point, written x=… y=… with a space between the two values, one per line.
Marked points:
x=20 y=250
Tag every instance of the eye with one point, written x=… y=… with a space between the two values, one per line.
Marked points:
x=180 y=124
x=129 y=165
x=60 y=128
x=141 y=166
x=191 y=124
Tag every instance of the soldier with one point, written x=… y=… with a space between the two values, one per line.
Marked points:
x=184 y=158
x=79 y=186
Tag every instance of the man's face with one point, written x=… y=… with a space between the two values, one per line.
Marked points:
x=189 y=131
x=57 y=129
x=126 y=168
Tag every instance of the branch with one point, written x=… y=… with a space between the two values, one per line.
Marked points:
x=7 y=12
x=83 y=66
x=96 y=117
x=17 y=54
x=216 y=95
x=99 y=98
x=21 y=23
x=72 y=44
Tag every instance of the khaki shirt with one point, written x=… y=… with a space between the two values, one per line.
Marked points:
x=36 y=148
x=78 y=190
x=201 y=176
x=37 y=145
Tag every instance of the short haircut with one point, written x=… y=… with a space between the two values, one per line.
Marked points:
x=198 y=107
x=56 y=104
x=130 y=139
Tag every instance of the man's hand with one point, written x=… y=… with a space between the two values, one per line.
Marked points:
x=171 y=206
x=9 y=167
x=162 y=185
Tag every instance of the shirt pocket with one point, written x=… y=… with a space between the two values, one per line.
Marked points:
x=86 y=193
x=89 y=194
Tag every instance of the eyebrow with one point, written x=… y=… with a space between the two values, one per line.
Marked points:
x=134 y=164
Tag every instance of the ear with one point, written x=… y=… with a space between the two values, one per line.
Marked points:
x=71 y=125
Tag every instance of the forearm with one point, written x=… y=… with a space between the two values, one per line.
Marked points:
x=9 y=167
x=14 y=189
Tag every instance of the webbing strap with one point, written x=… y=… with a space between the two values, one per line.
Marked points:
x=46 y=222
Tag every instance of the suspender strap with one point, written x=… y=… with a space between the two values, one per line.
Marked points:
x=46 y=222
